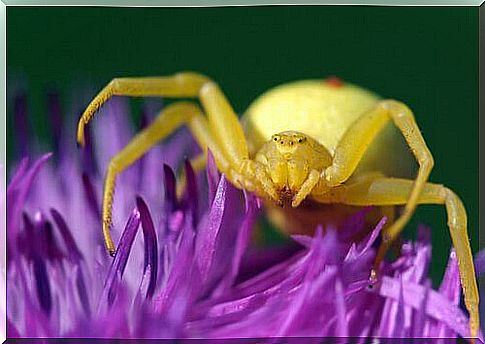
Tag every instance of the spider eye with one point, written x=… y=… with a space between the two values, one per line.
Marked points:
x=275 y=139
x=301 y=139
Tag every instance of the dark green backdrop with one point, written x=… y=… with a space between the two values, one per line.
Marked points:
x=426 y=57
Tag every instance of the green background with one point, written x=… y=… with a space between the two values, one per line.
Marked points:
x=424 y=56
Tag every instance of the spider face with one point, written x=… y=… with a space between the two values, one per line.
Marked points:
x=289 y=141
x=287 y=163
x=288 y=158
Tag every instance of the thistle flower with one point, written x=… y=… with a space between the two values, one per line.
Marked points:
x=194 y=272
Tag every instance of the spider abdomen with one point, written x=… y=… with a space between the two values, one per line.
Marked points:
x=324 y=111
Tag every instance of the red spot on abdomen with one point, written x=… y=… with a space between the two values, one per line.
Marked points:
x=334 y=81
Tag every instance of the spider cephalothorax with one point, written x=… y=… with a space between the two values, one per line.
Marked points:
x=288 y=159
x=331 y=143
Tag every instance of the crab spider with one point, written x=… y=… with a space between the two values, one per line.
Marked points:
x=308 y=146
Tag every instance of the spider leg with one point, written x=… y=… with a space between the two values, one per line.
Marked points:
x=184 y=84
x=229 y=135
x=223 y=122
x=169 y=119
x=220 y=131
x=358 y=137
x=354 y=143
x=393 y=191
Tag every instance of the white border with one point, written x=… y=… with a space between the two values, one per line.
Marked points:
x=141 y=3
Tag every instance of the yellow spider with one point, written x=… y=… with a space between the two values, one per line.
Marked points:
x=321 y=147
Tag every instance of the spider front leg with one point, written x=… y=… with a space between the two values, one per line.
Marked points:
x=185 y=84
x=253 y=178
x=222 y=118
x=393 y=191
x=171 y=118
x=220 y=131
x=357 y=139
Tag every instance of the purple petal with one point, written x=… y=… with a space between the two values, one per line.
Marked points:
x=355 y=272
x=119 y=263
x=21 y=170
x=91 y=197
x=330 y=241
x=42 y=284
x=36 y=324
x=419 y=318
x=192 y=194
x=46 y=245
x=362 y=314
x=303 y=240
x=422 y=256
x=480 y=263
x=399 y=326
x=272 y=277
x=151 y=246
x=72 y=249
x=17 y=194
x=297 y=313
x=387 y=320
x=242 y=241
x=144 y=119
x=218 y=280
x=316 y=260
x=354 y=224
x=27 y=243
x=330 y=246
x=180 y=275
x=12 y=330
x=450 y=285
x=87 y=153
x=178 y=146
x=170 y=194
x=213 y=176
x=450 y=288
x=207 y=236
x=258 y=260
x=366 y=244
x=82 y=292
x=342 y=325
x=439 y=307
x=424 y=235
x=142 y=161
x=243 y=236
x=111 y=131
x=38 y=240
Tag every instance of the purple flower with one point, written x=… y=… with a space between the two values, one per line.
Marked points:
x=193 y=271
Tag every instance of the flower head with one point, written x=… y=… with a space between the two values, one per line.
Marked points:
x=193 y=271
